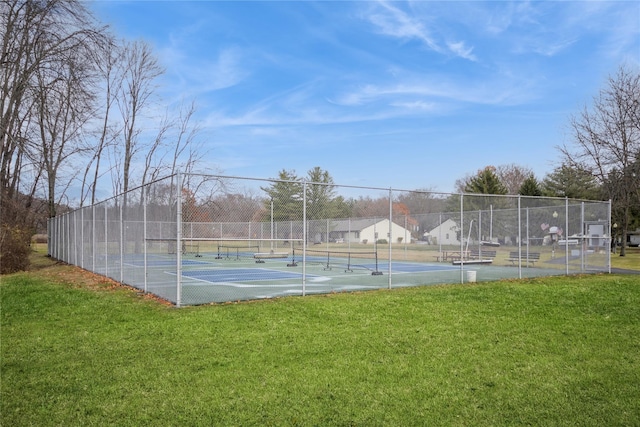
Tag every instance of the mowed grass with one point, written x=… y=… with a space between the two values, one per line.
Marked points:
x=552 y=351
x=630 y=261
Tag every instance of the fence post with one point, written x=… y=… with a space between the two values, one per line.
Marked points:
x=390 y=234
x=93 y=238
x=461 y=237
x=82 y=237
x=178 y=240
x=566 y=235
x=527 y=237
x=76 y=243
x=304 y=237
x=520 y=240
x=583 y=238
x=144 y=234
x=67 y=234
x=610 y=237
x=122 y=202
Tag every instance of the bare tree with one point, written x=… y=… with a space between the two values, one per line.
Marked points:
x=64 y=105
x=606 y=142
x=107 y=60
x=185 y=152
x=151 y=172
x=421 y=201
x=513 y=176
x=141 y=68
x=41 y=45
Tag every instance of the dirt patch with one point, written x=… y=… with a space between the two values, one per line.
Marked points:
x=60 y=272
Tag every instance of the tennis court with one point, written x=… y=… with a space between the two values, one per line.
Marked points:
x=232 y=240
x=210 y=278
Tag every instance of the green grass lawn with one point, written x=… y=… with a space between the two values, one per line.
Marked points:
x=630 y=261
x=551 y=351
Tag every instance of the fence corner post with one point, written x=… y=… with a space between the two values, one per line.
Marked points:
x=178 y=240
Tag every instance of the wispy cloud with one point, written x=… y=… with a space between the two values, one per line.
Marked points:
x=462 y=50
x=488 y=92
x=392 y=21
x=198 y=75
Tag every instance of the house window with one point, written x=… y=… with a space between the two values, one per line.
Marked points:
x=357 y=234
x=447 y=236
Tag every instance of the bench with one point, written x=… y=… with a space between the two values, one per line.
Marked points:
x=261 y=256
x=484 y=254
x=514 y=257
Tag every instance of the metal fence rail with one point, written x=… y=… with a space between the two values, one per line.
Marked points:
x=198 y=239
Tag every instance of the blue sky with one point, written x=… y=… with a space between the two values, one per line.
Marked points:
x=406 y=95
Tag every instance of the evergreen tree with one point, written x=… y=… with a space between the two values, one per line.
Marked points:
x=571 y=182
x=486 y=181
x=320 y=194
x=285 y=193
x=530 y=187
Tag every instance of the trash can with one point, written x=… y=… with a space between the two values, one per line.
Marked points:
x=471 y=276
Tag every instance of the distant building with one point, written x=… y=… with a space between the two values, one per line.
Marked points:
x=357 y=230
x=445 y=234
x=633 y=238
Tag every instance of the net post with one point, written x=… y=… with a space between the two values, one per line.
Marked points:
x=376 y=272
x=293 y=258
x=348 y=270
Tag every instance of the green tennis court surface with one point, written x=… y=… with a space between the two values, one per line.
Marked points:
x=210 y=279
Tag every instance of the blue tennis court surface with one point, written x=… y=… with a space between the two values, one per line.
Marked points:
x=241 y=275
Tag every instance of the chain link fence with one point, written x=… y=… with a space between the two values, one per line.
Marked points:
x=196 y=239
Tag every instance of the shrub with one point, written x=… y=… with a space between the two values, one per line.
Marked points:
x=14 y=249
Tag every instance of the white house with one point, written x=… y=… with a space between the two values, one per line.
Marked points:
x=365 y=230
x=445 y=233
